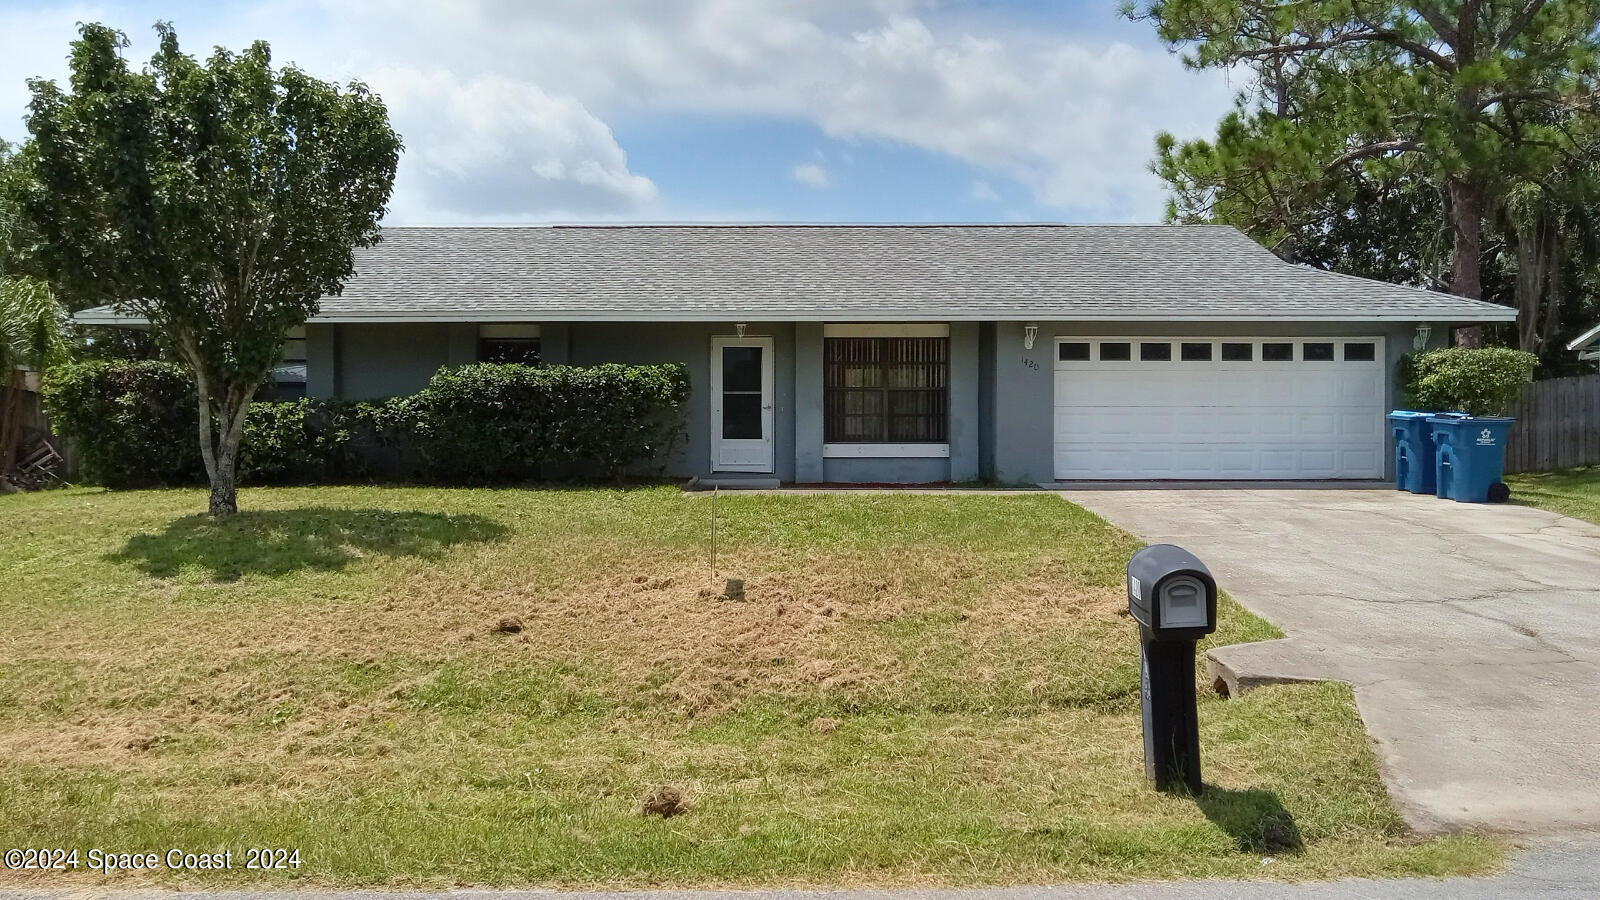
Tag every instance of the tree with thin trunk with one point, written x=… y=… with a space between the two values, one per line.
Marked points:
x=219 y=201
x=1468 y=94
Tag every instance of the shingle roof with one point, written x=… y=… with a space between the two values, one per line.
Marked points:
x=859 y=273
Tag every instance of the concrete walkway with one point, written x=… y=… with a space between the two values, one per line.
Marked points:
x=1471 y=634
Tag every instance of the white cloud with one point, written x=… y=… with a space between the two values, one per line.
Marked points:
x=811 y=175
x=493 y=148
x=504 y=103
x=982 y=192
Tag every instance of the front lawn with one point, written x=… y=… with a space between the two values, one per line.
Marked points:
x=917 y=689
x=1571 y=492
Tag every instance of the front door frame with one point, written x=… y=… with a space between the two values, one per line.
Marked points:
x=754 y=459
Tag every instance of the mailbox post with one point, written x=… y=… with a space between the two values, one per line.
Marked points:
x=1173 y=597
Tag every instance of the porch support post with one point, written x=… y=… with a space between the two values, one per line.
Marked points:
x=808 y=466
x=963 y=432
x=555 y=343
x=462 y=344
x=322 y=361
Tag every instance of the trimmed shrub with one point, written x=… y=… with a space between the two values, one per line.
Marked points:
x=133 y=424
x=300 y=441
x=493 y=422
x=1481 y=381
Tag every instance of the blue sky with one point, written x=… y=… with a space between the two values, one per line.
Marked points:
x=716 y=110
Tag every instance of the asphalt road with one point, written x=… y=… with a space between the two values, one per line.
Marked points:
x=1555 y=868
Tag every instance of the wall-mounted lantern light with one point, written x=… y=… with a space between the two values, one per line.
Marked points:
x=739 y=329
x=1030 y=333
x=1424 y=331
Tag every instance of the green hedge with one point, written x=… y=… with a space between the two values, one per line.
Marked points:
x=1481 y=381
x=301 y=441
x=134 y=424
x=492 y=422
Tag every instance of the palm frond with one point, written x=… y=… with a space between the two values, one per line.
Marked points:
x=30 y=325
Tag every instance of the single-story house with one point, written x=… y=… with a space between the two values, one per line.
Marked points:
x=913 y=353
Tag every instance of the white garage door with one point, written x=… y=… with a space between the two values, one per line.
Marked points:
x=1219 y=409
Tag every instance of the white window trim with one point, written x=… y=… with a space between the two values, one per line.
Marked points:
x=885 y=451
x=508 y=330
x=909 y=329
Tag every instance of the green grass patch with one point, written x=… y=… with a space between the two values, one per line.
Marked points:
x=1571 y=492
x=928 y=689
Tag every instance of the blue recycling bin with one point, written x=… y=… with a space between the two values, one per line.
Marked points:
x=1471 y=457
x=1414 y=460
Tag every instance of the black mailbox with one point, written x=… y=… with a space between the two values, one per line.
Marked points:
x=1171 y=593
x=1173 y=597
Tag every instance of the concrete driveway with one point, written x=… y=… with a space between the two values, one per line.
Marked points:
x=1471 y=634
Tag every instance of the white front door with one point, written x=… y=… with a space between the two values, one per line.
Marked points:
x=741 y=404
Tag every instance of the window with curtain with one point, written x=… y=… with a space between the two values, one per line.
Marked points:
x=889 y=390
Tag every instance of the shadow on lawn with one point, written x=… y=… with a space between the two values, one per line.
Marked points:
x=278 y=542
x=1255 y=819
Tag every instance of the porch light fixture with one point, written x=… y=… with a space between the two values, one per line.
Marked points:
x=1424 y=331
x=1030 y=333
x=739 y=329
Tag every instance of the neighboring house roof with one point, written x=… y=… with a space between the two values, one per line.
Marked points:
x=1586 y=341
x=856 y=273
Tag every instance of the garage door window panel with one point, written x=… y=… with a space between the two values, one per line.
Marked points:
x=886 y=390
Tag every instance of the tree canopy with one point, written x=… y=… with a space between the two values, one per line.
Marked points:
x=30 y=323
x=1398 y=138
x=218 y=200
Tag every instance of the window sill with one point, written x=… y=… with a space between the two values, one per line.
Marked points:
x=880 y=451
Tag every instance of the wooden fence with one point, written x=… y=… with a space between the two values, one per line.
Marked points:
x=1558 y=425
x=34 y=422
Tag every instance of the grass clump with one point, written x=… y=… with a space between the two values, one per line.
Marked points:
x=1571 y=492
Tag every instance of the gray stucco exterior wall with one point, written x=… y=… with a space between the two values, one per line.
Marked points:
x=1001 y=394
x=388 y=360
